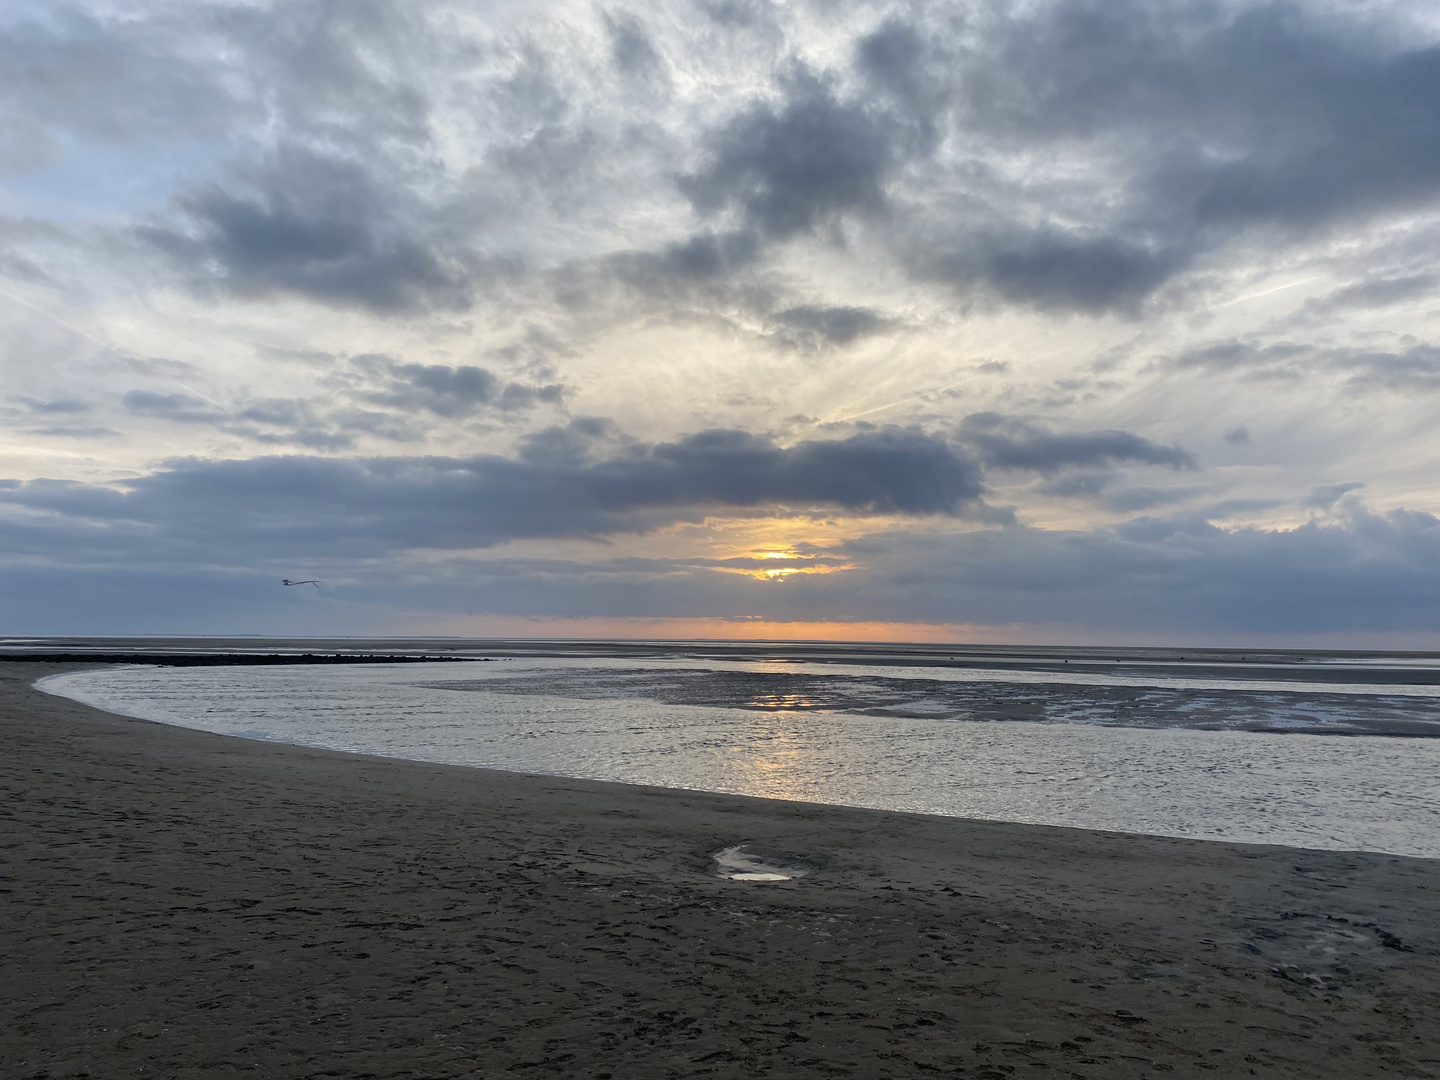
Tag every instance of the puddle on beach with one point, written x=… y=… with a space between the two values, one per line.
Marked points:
x=737 y=864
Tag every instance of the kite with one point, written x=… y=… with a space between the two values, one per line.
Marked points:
x=309 y=581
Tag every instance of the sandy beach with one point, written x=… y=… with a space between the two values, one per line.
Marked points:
x=181 y=904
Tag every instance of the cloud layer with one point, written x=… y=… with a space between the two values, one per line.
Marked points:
x=279 y=507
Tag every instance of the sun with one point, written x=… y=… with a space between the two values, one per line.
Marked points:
x=797 y=564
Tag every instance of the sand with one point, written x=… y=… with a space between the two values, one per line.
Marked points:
x=180 y=904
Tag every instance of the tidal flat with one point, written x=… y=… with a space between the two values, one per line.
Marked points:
x=184 y=903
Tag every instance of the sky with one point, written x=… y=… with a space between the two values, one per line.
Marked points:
x=1063 y=321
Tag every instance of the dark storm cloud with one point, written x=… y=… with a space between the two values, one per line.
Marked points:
x=1008 y=443
x=319 y=226
x=375 y=505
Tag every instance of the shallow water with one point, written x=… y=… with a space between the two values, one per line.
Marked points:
x=1127 y=751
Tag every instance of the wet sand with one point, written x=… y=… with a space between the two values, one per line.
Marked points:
x=180 y=904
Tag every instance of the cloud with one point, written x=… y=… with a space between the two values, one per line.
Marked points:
x=56 y=406
x=789 y=167
x=1073 y=155
x=897 y=59
x=1008 y=443
x=1080 y=484
x=1376 y=292
x=1415 y=367
x=1356 y=572
x=73 y=432
x=74 y=73
x=809 y=327
x=585 y=439
x=1280 y=359
x=184 y=408
x=1362 y=571
x=1325 y=496
x=371 y=394
x=1151 y=135
x=269 y=421
x=1059 y=270
x=1103 y=488
x=318 y=226
x=631 y=50
x=375 y=505
x=450 y=392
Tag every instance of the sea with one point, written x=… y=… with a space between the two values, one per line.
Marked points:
x=1326 y=750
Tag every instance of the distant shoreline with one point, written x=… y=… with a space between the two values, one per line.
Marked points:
x=230 y=659
x=1357 y=667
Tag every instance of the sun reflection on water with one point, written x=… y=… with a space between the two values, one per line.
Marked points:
x=770 y=764
x=785 y=703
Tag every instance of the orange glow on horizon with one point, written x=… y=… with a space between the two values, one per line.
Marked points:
x=714 y=629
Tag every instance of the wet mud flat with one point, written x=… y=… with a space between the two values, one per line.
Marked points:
x=182 y=904
x=1243 y=708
